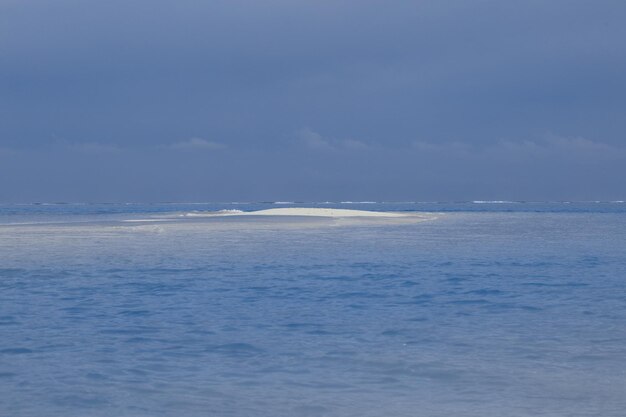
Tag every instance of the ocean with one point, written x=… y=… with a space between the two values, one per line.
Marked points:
x=483 y=309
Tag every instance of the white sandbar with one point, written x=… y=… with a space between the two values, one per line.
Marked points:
x=321 y=212
x=298 y=214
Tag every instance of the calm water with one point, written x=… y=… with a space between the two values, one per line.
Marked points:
x=489 y=310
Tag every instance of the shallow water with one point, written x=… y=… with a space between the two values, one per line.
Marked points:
x=481 y=312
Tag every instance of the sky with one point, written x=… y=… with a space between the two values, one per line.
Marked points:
x=276 y=100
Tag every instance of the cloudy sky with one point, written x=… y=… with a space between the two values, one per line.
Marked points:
x=312 y=100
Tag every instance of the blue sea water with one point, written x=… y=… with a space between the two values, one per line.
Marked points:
x=503 y=309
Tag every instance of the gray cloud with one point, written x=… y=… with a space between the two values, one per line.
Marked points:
x=196 y=144
x=6 y=151
x=550 y=169
x=553 y=146
x=405 y=100
x=314 y=141
x=94 y=147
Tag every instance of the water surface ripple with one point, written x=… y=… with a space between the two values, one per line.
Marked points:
x=516 y=313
